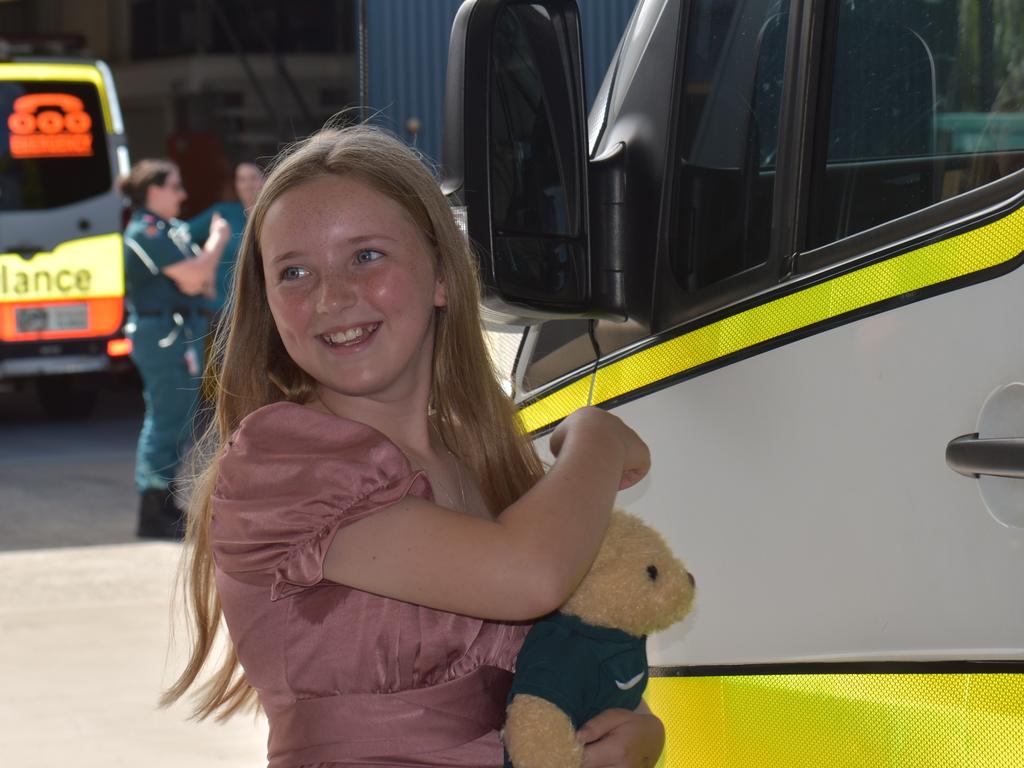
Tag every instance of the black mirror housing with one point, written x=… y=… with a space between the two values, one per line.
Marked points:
x=515 y=156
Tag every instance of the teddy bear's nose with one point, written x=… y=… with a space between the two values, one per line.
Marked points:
x=652 y=572
x=693 y=582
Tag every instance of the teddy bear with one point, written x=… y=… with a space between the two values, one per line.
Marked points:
x=591 y=655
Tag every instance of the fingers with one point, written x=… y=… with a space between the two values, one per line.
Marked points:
x=630 y=478
x=636 y=455
x=557 y=438
x=628 y=740
x=218 y=222
x=608 y=738
x=601 y=724
x=605 y=754
x=638 y=458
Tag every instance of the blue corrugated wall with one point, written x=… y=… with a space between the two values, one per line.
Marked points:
x=407 y=53
x=603 y=22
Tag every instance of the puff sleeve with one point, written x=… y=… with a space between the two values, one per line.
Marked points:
x=290 y=478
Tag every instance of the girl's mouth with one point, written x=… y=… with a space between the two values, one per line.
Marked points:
x=351 y=336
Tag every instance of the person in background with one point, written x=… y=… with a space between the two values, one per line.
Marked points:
x=167 y=280
x=373 y=523
x=248 y=180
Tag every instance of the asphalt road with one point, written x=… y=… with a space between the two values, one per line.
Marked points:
x=68 y=483
x=85 y=619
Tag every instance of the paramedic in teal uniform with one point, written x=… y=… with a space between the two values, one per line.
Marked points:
x=168 y=280
x=248 y=183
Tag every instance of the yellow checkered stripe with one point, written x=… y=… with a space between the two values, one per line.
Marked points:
x=88 y=267
x=956 y=257
x=971 y=720
x=60 y=72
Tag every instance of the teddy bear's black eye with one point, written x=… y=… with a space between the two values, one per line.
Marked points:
x=652 y=572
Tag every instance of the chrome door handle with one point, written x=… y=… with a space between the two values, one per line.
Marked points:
x=972 y=456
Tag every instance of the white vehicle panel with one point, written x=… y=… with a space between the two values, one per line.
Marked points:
x=806 y=489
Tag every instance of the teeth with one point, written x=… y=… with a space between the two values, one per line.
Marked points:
x=352 y=334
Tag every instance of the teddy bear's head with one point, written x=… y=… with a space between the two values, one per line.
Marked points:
x=636 y=584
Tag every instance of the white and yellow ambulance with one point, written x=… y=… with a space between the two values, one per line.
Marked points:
x=62 y=147
x=786 y=247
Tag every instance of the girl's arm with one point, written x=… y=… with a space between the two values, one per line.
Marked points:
x=521 y=565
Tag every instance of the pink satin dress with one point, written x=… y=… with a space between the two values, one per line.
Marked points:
x=346 y=678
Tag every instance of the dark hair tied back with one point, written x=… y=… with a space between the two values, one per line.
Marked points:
x=143 y=175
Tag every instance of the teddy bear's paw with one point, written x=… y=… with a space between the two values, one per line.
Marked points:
x=539 y=735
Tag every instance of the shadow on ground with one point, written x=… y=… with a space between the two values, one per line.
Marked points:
x=68 y=483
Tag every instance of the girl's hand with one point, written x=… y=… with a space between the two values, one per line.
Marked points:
x=600 y=428
x=620 y=738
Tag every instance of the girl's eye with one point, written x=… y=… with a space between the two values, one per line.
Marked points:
x=366 y=256
x=293 y=273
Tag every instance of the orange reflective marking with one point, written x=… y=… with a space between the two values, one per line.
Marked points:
x=105 y=317
x=38 y=132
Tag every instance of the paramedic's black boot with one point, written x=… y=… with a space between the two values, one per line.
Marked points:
x=159 y=516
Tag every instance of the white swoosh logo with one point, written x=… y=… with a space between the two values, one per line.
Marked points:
x=630 y=683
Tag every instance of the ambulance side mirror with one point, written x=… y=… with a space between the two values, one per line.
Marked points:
x=515 y=155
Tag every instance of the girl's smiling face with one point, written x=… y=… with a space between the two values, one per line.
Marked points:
x=352 y=288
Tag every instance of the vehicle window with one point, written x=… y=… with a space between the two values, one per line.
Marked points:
x=927 y=102
x=728 y=135
x=53 y=147
x=554 y=349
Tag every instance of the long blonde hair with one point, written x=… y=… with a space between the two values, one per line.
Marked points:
x=251 y=369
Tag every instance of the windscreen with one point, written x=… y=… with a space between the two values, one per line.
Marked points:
x=53 y=148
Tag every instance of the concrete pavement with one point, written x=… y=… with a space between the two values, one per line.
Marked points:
x=84 y=653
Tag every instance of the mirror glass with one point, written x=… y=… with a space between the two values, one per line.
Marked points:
x=536 y=210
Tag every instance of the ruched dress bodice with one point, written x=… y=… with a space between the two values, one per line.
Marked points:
x=346 y=677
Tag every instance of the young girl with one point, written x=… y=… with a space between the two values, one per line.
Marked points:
x=374 y=527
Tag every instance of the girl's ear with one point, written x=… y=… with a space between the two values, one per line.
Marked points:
x=440 y=294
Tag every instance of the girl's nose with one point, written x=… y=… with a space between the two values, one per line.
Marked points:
x=336 y=292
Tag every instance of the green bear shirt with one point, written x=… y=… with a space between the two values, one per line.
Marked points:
x=580 y=668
